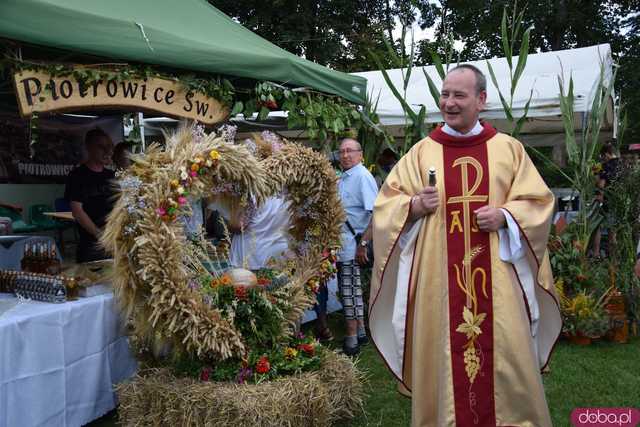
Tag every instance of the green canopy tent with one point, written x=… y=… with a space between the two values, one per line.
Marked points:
x=188 y=34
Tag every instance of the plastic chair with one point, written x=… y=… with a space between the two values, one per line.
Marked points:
x=40 y=220
x=17 y=224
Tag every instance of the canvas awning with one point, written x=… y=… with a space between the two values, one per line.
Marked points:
x=187 y=34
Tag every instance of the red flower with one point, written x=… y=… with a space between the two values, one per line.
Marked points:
x=241 y=293
x=204 y=374
x=263 y=281
x=263 y=366
x=309 y=349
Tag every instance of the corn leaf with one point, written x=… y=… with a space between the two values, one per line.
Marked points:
x=505 y=106
x=433 y=89
x=522 y=60
x=437 y=62
x=505 y=38
x=522 y=120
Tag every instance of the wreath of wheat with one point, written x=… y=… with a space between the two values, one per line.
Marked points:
x=146 y=237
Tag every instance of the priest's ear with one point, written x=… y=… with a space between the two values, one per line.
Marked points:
x=482 y=100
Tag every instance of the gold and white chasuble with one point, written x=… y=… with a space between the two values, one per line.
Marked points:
x=462 y=326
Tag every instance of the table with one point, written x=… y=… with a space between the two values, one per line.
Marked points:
x=65 y=216
x=12 y=249
x=58 y=362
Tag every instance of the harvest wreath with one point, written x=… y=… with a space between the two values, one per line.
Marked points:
x=224 y=327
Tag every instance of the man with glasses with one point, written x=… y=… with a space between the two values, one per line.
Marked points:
x=358 y=191
x=90 y=194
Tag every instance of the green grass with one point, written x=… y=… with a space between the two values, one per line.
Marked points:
x=603 y=374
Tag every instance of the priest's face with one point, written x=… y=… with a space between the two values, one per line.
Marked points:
x=460 y=102
x=350 y=154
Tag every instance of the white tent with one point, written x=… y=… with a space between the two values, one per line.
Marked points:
x=540 y=75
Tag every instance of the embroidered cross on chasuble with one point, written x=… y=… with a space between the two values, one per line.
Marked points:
x=463 y=331
x=469 y=267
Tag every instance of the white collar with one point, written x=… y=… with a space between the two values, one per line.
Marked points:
x=476 y=130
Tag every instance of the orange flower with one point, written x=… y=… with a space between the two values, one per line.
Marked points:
x=195 y=167
x=225 y=280
x=214 y=283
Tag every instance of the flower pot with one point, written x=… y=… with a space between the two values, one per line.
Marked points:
x=620 y=331
x=579 y=339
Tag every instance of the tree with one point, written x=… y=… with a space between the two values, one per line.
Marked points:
x=334 y=33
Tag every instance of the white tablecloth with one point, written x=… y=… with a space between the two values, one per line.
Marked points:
x=58 y=362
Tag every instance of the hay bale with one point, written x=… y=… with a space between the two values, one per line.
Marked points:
x=317 y=399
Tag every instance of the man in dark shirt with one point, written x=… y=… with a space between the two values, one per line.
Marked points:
x=90 y=194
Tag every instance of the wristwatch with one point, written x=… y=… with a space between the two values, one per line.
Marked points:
x=364 y=243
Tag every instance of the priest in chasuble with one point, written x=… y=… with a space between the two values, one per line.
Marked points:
x=463 y=307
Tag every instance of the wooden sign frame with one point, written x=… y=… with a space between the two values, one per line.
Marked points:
x=38 y=91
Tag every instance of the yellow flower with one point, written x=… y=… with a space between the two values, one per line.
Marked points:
x=290 y=353
x=214 y=155
x=471 y=325
x=174 y=183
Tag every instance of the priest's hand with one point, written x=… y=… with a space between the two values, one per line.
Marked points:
x=490 y=219
x=425 y=202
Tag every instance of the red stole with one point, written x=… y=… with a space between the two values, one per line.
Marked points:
x=466 y=185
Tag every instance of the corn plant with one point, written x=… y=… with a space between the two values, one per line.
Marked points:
x=582 y=152
x=372 y=136
x=415 y=127
x=510 y=31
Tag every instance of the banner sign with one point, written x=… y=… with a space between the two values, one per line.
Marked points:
x=40 y=92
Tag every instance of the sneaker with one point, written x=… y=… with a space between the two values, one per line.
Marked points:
x=363 y=340
x=351 y=351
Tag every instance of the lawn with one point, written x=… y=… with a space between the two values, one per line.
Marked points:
x=603 y=374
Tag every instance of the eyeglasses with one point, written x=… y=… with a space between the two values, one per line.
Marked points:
x=349 y=151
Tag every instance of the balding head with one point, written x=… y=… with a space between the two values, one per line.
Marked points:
x=463 y=97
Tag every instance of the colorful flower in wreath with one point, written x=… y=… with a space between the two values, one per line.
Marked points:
x=205 y=373
x=263 y=366
x=308 y=349
x=244 y=374
x=263 y=281
x=241 y=293
x=290 y=353
x=214 y=155
x=214 y=283
x=183 y=173
x=314 y=285
x=225 y=280
x=174 y=183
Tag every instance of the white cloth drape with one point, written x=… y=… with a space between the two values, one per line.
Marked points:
x=59 y=362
